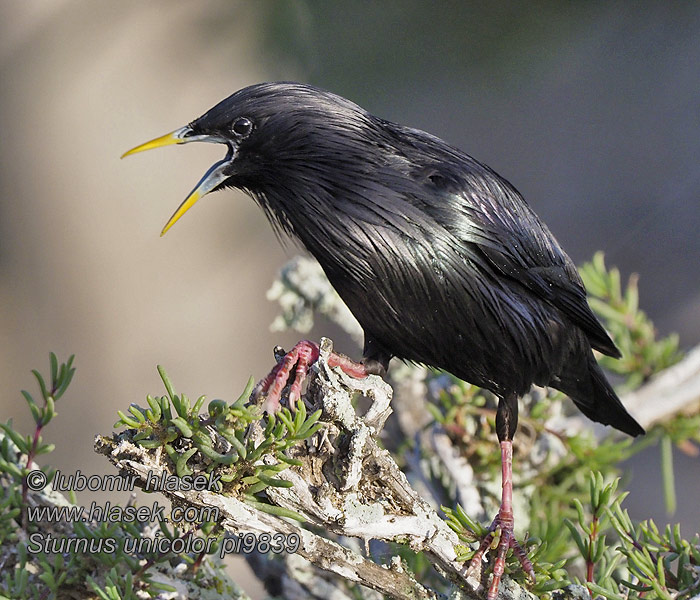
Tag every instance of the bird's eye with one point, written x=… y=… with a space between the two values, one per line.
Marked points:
x=242 y=126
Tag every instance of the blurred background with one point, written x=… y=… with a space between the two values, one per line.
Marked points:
x=592 y=110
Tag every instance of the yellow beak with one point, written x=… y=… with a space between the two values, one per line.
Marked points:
x=181 y=210
x=212 y=178
x=174 y=137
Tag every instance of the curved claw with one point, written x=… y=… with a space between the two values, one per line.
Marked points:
x=298 y=360
x=500 y=538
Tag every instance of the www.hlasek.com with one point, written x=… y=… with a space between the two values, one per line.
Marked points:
x=109 y=513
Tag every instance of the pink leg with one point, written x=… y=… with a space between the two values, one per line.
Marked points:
x=299 y=359
x=504 y=521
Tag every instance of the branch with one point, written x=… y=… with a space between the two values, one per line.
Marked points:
x=672 y=392
x=238 y=517
x=347 y=485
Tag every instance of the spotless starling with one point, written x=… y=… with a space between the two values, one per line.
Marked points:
x=439 y=258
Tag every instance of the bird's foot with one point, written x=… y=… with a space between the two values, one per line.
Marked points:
x=500 y=537
x=297 y=362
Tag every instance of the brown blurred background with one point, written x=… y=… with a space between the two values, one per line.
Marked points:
x=591 y=109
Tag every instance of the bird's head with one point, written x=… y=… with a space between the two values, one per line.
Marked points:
x=272 y=130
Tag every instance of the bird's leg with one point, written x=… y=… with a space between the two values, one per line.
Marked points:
x=503 y=527
x=298 y=360
x=500 y=535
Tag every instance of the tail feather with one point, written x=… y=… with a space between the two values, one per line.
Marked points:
x=595 y=397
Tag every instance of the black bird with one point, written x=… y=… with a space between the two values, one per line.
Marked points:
x=439 y=258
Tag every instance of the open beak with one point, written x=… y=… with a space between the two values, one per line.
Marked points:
x=212 y=178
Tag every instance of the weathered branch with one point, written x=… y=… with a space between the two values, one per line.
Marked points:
x=674 y=391
x=348 y=485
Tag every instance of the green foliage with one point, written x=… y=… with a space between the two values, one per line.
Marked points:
x=32 y=445
x=14 y=444
x=633 y=332
x=116 y=586
x=644 y=563
x=621 y=560
x=556 y=489
x=468 y=415
x=110 y=572
x=466 y=529
x=592 y=545
x=193 y=441
x=11 y=495
x=560 y=476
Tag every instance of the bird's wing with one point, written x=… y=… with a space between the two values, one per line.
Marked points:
x=484 y=210
x=555 y=285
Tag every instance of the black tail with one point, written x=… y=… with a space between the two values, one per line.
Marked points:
x=595 y=398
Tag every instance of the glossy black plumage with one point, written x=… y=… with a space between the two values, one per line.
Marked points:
x=439 y=258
